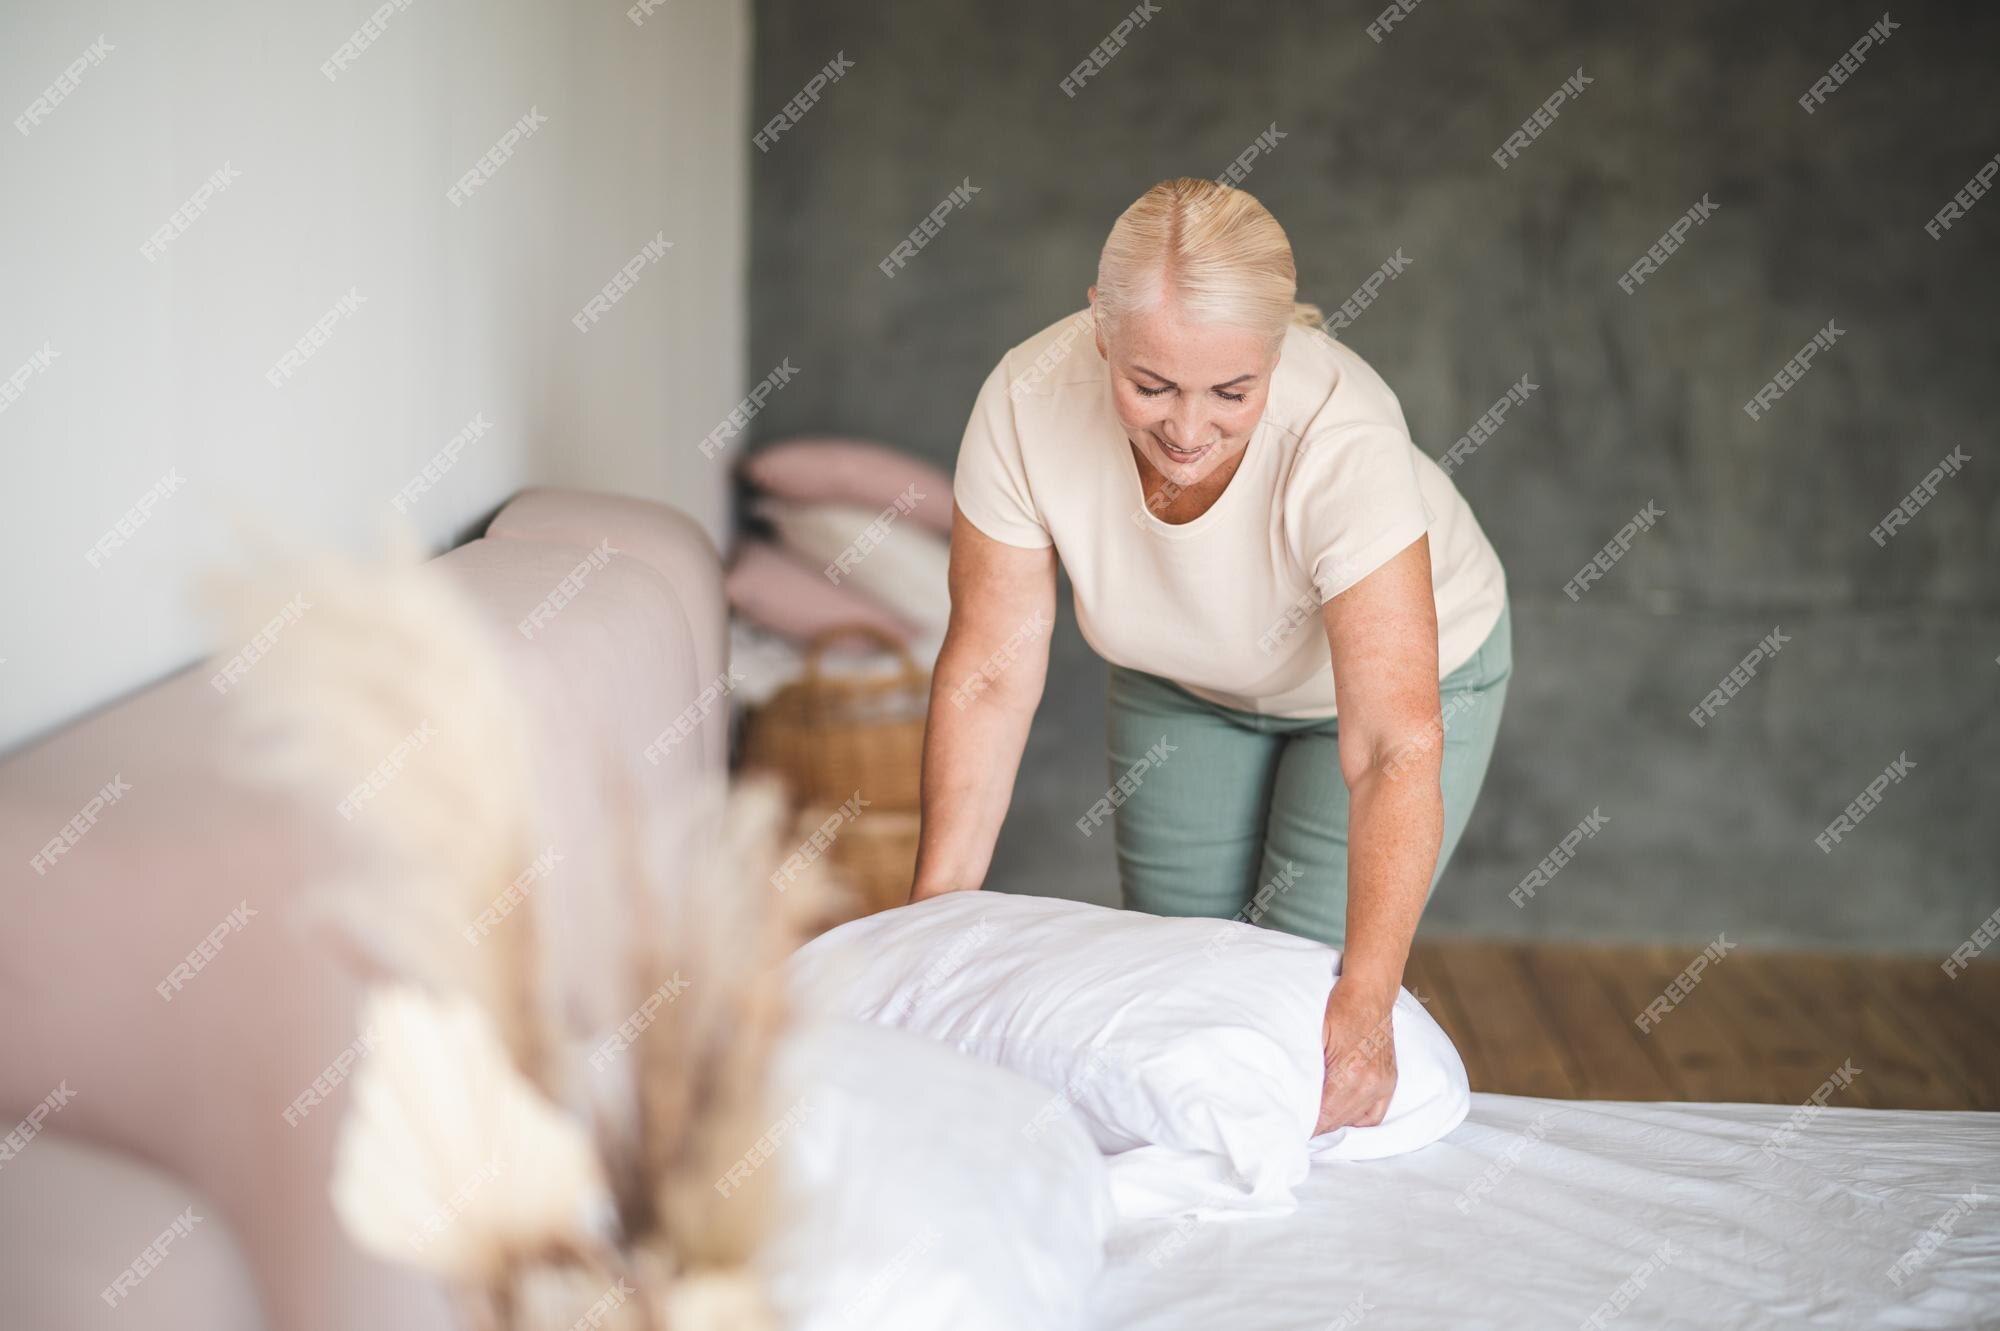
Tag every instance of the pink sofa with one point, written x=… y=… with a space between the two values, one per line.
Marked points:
x=171 y=1104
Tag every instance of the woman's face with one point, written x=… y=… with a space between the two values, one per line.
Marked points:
x=1189 y=396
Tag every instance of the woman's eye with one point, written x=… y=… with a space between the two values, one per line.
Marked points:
x=1148 y=392
x=1230 y=397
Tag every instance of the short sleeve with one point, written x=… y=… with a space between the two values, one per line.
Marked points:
x=1352 y=503
x=991 y=480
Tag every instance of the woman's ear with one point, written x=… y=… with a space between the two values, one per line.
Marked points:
x=1096 y=328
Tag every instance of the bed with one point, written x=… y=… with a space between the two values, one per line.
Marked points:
x=1556 y=1213
x=1574 y=1213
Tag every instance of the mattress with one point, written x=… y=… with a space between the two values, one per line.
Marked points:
x=1588 y=1214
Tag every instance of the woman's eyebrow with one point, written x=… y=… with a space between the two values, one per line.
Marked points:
x=1227 y=383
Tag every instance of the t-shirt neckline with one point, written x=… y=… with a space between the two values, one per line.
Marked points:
x=1136 y=483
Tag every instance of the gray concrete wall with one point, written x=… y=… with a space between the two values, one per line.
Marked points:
x=1512 y=272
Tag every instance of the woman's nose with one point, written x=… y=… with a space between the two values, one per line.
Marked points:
x=1184 y=424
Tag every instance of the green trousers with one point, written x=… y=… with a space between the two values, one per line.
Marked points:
x=1240 y=815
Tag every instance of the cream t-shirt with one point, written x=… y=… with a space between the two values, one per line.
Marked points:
x=1227 y=606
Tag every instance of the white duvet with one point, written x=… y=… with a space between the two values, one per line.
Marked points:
x=1188 y=1068
x=1584 y=1214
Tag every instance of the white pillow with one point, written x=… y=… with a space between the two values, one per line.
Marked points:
x=1189 y=1047
x=924 y=1189
x=882 y=553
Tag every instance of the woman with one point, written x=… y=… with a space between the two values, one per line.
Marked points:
x=1307 y=630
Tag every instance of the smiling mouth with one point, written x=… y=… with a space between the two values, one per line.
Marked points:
x=1180 y=454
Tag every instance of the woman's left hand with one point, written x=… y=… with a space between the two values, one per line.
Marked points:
x=1360 y=1051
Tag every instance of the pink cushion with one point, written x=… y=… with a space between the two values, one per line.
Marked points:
x=821 y=469
x=660 y=538
x=771 y=588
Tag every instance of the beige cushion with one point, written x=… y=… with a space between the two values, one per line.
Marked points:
x=890 y=559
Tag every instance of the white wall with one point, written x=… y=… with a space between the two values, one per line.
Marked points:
x=341 y=186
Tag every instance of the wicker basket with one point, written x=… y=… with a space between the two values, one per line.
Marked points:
x=830 y=737
x=876 y=857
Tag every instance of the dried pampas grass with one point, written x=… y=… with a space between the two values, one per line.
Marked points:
x=449 y=1160
x=387 y=702
x=702 y=1083
x=488 y=1144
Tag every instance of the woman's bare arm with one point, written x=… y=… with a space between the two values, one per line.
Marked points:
x=984 y=691
x=1383 y=636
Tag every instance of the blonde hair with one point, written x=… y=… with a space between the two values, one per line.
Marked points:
x=1217 y=251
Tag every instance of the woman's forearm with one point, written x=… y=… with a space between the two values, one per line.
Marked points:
x=1395 y=829
x=1382 y=636
x=973 y=740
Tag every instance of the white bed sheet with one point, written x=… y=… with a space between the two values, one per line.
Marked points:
x=1568 y=1202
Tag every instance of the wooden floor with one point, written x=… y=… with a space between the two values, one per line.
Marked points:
x=1770 y=1027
